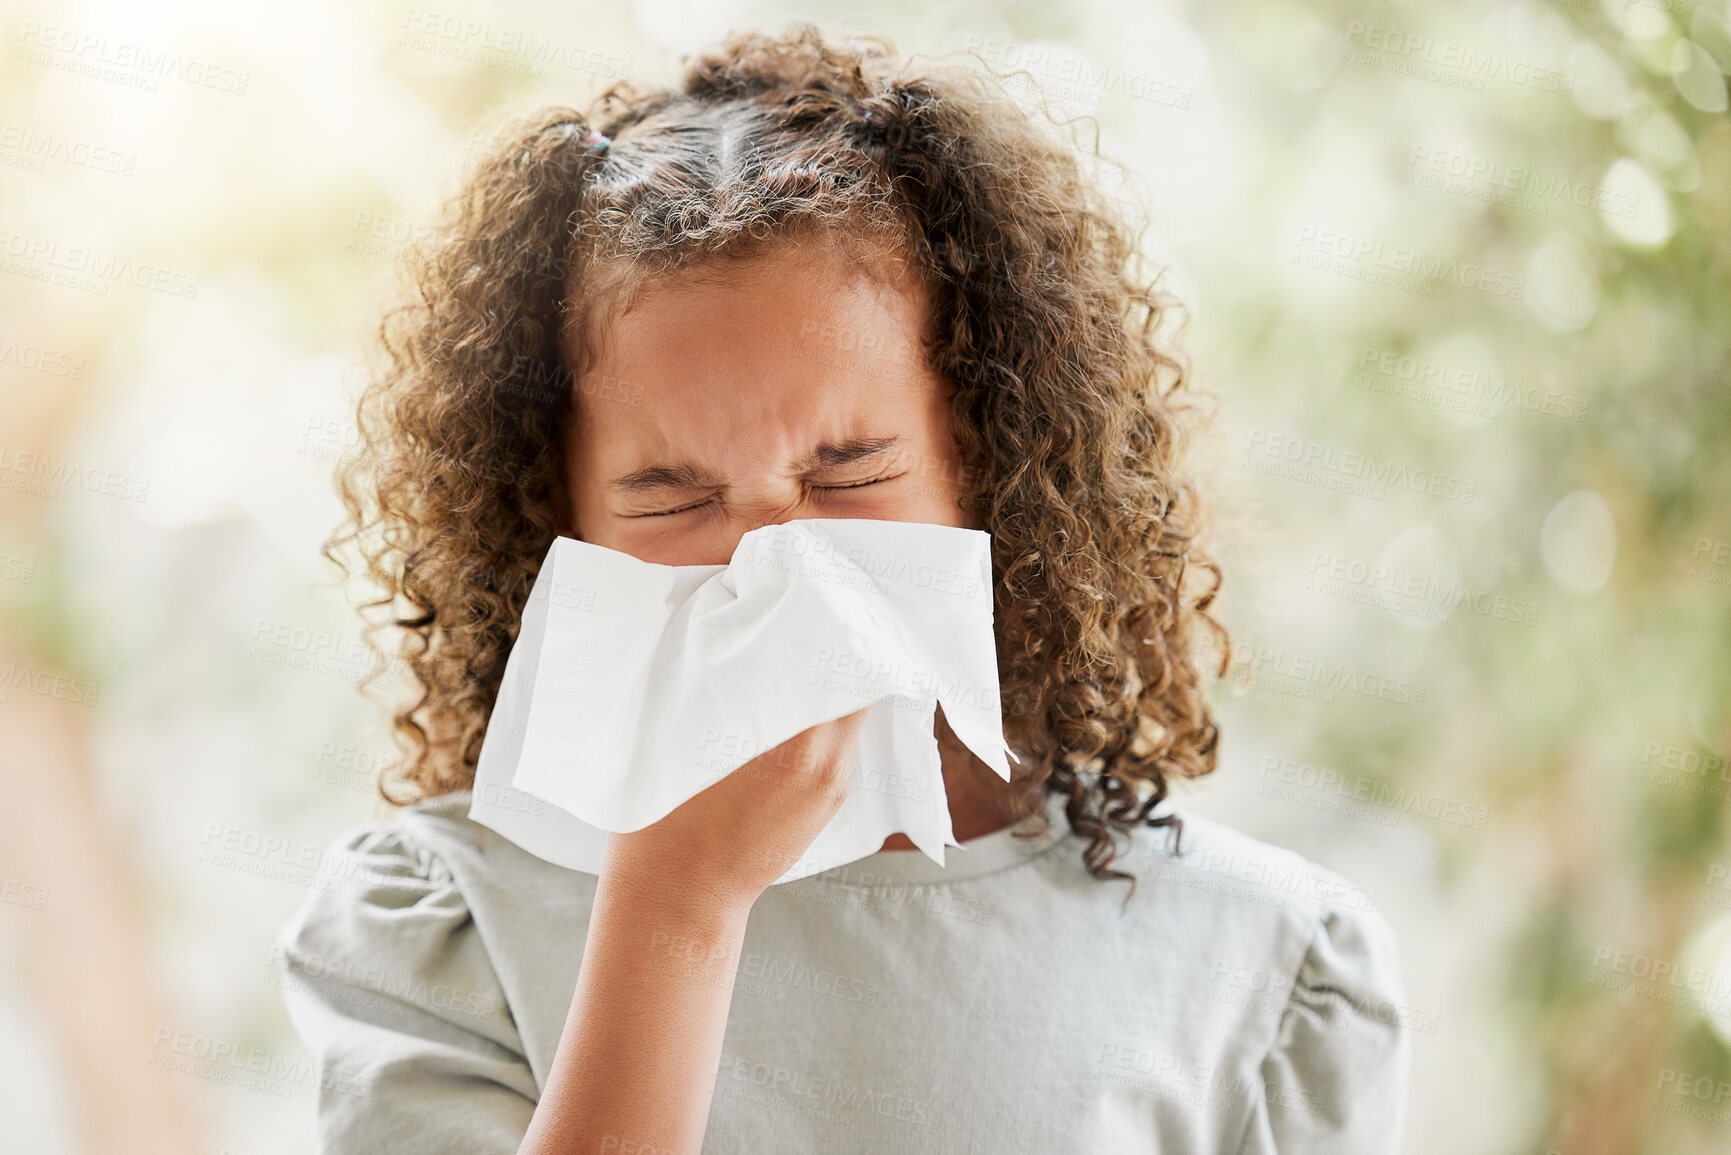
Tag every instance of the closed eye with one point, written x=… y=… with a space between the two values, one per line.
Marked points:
x=701 y=504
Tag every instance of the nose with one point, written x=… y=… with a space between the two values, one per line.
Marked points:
x=750 y=516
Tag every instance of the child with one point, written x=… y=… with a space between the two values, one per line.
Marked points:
x=816 y=280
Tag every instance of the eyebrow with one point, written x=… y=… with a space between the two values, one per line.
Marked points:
x=829 y=455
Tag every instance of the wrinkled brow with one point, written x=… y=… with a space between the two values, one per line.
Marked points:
x=829 y=455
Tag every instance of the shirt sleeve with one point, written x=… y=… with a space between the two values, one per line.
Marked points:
x=389 y=985
x=1335 y=1080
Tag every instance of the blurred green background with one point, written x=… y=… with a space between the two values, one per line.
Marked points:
x=1460 y=277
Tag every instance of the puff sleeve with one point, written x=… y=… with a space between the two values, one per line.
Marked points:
x=389 y=985
x=1335 y=1080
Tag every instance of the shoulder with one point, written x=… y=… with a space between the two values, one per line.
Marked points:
x=1243 y=878
x=1314 y=917
x=1309 y=950
x=401 y=863
x=386 y=914
x=391 y=988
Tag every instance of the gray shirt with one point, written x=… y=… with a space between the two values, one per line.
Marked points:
x=1245 y=1001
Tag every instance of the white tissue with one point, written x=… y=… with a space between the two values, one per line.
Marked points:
x=633 y=686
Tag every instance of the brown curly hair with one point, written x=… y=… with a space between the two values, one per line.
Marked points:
x=1069 y=409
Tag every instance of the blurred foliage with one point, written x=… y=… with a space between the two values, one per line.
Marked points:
x=1549 y=723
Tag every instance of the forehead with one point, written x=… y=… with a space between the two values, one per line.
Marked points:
x=796 y=340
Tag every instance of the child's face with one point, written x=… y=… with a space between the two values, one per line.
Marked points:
x=744 y=404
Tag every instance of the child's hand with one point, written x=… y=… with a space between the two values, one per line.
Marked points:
x=730 y=842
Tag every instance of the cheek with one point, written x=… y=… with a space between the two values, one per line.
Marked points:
x=935 y=471
x=591 y=519
x=928 y=495
x=583 y=484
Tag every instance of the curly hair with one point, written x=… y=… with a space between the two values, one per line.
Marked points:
x=1069 y=408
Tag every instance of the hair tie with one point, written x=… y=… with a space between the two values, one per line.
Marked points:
x=595 y=141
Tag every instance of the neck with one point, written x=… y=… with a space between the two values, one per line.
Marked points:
x=980 y=801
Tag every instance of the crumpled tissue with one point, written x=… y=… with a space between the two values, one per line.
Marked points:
x=633 y=686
